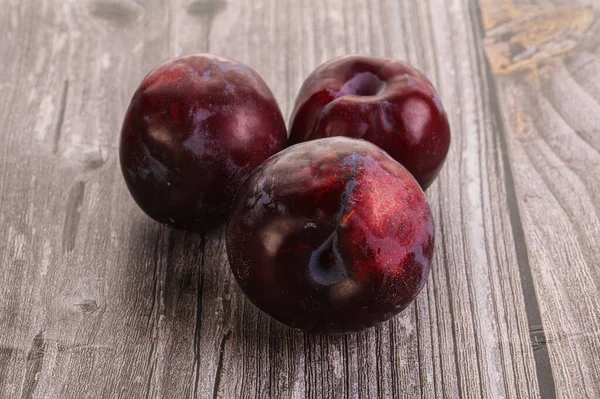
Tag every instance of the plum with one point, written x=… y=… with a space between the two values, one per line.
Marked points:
x=381 y=100
x=195 y=129
x=331 y=236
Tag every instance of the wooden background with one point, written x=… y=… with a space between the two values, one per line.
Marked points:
x=98 y=301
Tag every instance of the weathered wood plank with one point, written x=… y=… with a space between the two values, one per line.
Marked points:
x=544 y=58
x=62 y=250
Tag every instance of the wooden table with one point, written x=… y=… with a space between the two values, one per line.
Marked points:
x=98 y=301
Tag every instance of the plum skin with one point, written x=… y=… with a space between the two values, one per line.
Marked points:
x=194 y=130
x=381 y=100
x=331 y=236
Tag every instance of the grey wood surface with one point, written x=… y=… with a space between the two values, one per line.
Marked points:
x=98 y=301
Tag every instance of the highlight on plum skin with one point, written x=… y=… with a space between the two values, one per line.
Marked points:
x=195 y=129
x=331 y=236
x=381 y=100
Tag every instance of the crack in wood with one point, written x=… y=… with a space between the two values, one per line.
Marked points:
x=220 y=364
x=87 y=306
x=35 y=362
x=346 y=366
x=198 y=324
x=118 y=13
x=155 y=279
x=538 y=337
x=206 y=8
x=73 y=214
x=61 y=117
x=151 y=365
x=418 y=347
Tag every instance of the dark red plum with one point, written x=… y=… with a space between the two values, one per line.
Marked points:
x=331 y=236
x=195 y=129
x=381 y=100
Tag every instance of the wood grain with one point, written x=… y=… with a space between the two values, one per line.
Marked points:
x=99 y=301
x=553 y=139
